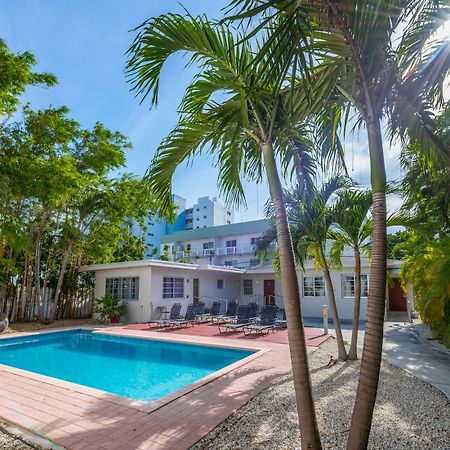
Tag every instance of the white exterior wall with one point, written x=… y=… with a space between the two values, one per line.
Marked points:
x=312 y=306
x=151 y=288
x=137 y=310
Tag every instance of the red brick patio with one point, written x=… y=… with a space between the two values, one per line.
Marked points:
x=81 y=418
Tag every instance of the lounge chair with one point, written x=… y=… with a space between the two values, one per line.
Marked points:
x=200 y=315
x=253 y=310
x=243 y=319
x=230 y=315
x=188 y=319
x=214 y=312
x=266 y=323
x=174 y=314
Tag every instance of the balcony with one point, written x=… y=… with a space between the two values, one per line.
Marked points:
x=239 y=250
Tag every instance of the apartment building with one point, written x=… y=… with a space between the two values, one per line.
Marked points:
x=229 y=245
x=208 y=213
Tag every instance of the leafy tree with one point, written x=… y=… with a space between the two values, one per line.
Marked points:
x=351 y=229
x=248 y=118
x=379 y=77
x=17 y=74
x=425 y=246
x=394 y=244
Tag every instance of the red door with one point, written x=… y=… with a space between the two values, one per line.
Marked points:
x=397 y=298
x=269 y=292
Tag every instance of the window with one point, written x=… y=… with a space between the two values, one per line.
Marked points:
x=173 y=287
x=204 y=217
x=123 y=289
x=231 y=247
x=313 y=287
x=208 y=248
x=248 y=287
x=188 y=246
x=205 y=207
x=198 y=218
x=219 y=284
x=253 y=241
x=229 y=213
x=198 y=209
x=348 y=286
x=228 y=222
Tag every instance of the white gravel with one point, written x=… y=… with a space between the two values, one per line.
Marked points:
x=9 y=441
x=410 y=414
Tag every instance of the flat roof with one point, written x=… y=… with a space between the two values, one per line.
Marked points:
x=254 y=226
x=159 y=263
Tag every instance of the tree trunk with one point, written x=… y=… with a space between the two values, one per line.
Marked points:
x=37 y=267
x=342 y=352
x=353 y=352
x=373 y=339
x=62 y=272
x=310 y=438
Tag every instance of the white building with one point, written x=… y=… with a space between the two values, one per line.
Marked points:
x=150 y=286
x=227 y=245
x=208 y=213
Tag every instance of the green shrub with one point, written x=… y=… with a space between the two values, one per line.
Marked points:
x=108 y=306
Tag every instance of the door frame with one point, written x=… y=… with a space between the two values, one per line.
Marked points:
x=269 y=298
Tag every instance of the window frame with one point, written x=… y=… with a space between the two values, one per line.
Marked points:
x=317 y=291
x=172 y=287
x=364 y=285
x=118 y=286
x=220 y=283
x=247 y=290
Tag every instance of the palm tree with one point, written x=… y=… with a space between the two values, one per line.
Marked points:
x=248 y=118
x=310 y=218
x=351 y=228
x=384 y=68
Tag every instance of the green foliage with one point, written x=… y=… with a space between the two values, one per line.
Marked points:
x=395 y=243
x=16 y=74
x=427 y=267
x=426 y=244
x=108 y=306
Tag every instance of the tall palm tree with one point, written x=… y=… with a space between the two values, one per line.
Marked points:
x=247 y=117
x=310 y=218
x=387 y=71
x=352 y=228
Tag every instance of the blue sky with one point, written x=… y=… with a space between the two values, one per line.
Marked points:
x=83 y=42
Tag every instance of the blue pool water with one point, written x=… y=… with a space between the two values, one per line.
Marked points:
x=141 y=369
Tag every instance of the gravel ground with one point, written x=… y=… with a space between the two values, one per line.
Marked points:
x=11 y=442
x=410 y=414
x=18 y=327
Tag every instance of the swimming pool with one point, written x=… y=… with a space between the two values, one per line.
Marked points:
x=141 y=369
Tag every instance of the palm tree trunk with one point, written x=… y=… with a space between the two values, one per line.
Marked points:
x=366 y=392
x=342 y=352
x=353 y=353
x=310 y=438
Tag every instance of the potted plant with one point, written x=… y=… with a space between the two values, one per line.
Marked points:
x=109 y=308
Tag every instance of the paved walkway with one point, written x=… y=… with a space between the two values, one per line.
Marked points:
x=404 y=349
x=313 y=336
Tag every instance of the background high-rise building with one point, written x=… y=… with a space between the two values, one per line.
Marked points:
x=204 y=214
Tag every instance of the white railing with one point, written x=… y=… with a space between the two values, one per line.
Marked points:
x=240 y=250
